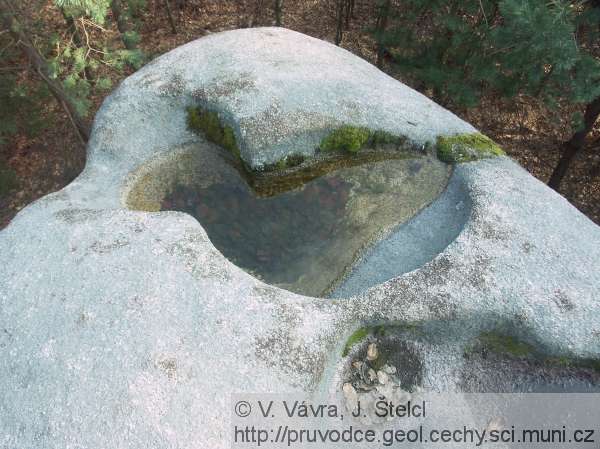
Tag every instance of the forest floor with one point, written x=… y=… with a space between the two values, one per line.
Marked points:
x=528 y=131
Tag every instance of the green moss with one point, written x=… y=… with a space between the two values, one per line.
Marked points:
x=352 y=139
x=570 y=362
x=8 y=179
x=208 y=123
x=381 y=138
x=293 y=160
x=346 y=138
x=593 y=364
x=561 y=361
x=356 y=338
x=466 y=148
x=360 y=334
x=505 y=344
x=229 y=141
x=379 y=331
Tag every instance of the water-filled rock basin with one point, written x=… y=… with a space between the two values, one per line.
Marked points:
x=301 y=236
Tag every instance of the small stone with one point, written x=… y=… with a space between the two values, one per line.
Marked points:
x=363 y=387
x=362 y=371
x=351 y=397
x=372 y=375
x=382 y=377
x=349 y=391
x=357 y=364
x=389 y=369
x=372 y=352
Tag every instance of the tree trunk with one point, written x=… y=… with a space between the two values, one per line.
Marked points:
x=171 y=19
x=12 y=25
x=117 y=10
x=339 y=4
x=349 y=12
x=382 y=21
x=278 y=12
x=575 y=144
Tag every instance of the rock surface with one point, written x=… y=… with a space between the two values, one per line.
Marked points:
x=128 y=329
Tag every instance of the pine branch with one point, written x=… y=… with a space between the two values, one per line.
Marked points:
x=19 y=34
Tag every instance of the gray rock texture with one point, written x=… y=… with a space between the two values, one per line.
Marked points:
x=127 y=329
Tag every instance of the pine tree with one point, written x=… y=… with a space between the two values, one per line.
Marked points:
x=461 y=50
x=10 y=23
x=95 y=9
x=130 y=38
x=64 y=63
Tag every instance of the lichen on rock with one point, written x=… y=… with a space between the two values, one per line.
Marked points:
x=466 y=148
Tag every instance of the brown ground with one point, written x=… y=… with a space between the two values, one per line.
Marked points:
x=527 y=130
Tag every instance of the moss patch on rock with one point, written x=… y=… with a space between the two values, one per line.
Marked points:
x=346 y=138
x=380 y=331
x=583 y=363
x=290 y=161
x=352 y=139
x=360 y=334
x=466 y=148
x=512 y=347
x=505 y=344
x=381 y=138
x=208 y=123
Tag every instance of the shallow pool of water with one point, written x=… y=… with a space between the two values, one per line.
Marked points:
x=305 y=240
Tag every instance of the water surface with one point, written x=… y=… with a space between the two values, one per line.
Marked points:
x=307 y=239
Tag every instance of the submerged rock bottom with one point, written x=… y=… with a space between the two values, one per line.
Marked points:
x=308 y=238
